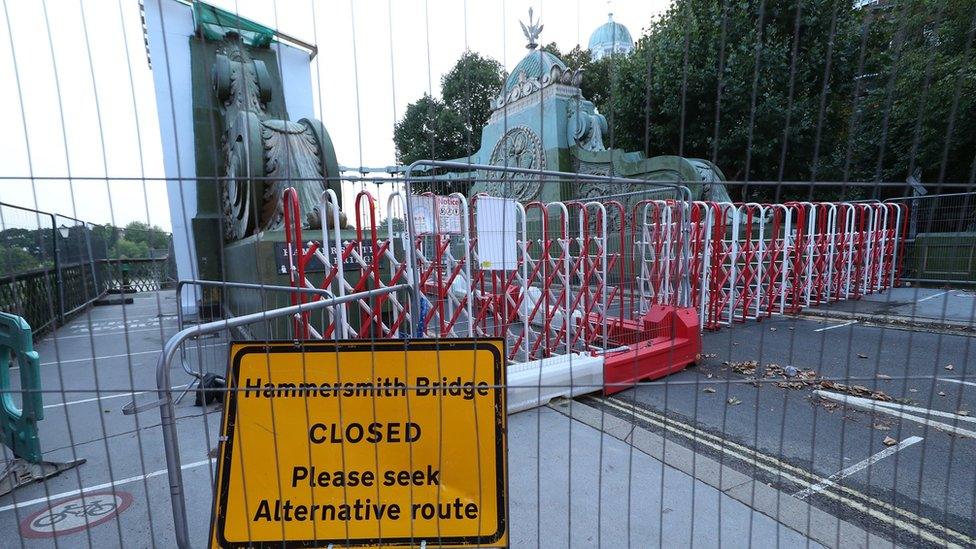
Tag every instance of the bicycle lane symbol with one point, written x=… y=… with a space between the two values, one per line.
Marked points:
x=75 y=514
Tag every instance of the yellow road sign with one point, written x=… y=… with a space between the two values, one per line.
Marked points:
x=364 y=443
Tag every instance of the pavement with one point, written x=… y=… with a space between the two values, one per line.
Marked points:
x=665 y=464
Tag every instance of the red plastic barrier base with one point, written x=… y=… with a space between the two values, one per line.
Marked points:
x=667 y=342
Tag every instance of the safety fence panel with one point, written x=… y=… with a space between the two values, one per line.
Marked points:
x=766 y=259
x=539 y=274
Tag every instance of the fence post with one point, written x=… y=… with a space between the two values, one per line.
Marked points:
x=56 y=250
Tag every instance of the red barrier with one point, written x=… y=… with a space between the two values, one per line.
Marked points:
x=665 y=341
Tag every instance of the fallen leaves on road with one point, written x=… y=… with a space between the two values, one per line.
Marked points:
x=888 y=441
x=708 y=390
x=746 y=368
x=882 y=427
x=854 y=390
x=963 y=412
x=861 y=355
x=941 y=393
x=732 y=401
x=949 y=367
x=790 y=377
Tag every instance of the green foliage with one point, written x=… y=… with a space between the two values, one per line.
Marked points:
x=918 y=110
x=154 y=237
x=28 y=249
x=770 y=90
x=450 y=128
x=429 y=129
x=718 y=80
x=35 y=242
x=467 y=90
x=127 y=249
x=14 y=260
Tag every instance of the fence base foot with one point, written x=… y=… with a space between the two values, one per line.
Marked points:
x=19 y=472
x=106 y=301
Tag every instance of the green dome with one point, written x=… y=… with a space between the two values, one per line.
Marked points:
x=534 y=65
x=610 y=37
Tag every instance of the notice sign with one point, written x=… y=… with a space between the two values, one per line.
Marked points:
x=436 y=214
x=363 y=443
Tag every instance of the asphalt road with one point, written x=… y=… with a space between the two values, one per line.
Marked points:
x=919 y=492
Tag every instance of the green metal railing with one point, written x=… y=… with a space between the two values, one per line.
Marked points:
x=53 y=266
x=45 y=297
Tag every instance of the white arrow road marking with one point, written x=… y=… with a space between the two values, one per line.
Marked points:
x=836 y=326
x=950 y=380
x=832 y=479
x=876 y=406
x=933 y=296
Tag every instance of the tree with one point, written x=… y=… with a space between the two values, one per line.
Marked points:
x=14 y=261
x=718 y=81
x=429 y=129
x=127 y=249
x=154 y=237
x=918 y=108
x=467 y=90
x=450 y=128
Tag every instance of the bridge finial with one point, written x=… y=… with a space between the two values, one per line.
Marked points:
x=532 y=31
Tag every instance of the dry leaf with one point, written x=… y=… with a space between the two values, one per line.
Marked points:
x=881 y=427
x=950 y=367
x=963 y=412
x=708 y=390
x=862 y=355
x=884 y=376
x=941 y=393
x=733 y=401
x=772 y=329
x=709 y=376
x=913 y=390
x=888 y=441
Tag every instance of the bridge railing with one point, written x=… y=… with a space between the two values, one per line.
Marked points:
x=52 y=266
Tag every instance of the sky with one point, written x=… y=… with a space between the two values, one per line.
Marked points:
x=78 y=96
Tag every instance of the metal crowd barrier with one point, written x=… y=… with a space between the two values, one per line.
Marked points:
x=167 y=405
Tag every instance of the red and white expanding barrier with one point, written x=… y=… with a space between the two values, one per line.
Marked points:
x=587 y=295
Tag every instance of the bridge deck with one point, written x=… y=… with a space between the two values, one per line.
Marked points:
x=96 y=363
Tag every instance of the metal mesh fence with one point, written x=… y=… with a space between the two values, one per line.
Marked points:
x=547 y=323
